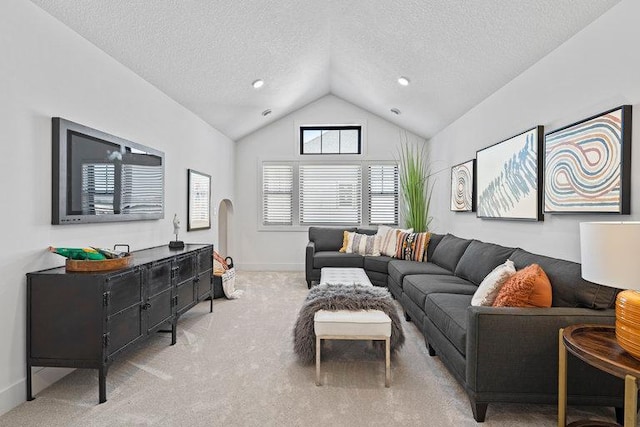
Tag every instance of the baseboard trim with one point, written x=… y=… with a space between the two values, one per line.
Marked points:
x=269 y=267
x=42 y=378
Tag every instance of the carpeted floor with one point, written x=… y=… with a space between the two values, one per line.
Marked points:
x=236 y=367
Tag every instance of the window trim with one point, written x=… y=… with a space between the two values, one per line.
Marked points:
x=303 y=128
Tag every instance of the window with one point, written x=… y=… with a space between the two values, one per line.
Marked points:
x=300 y=194
x=330 y=194
x=383 y=194
x=330 y=140
x=277 y=194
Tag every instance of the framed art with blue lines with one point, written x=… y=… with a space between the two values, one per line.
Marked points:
x=588 y=165
x=509 y=178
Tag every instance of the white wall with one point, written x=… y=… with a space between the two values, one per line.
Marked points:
x=594 y=71
x=254 y=249
x=47 y=70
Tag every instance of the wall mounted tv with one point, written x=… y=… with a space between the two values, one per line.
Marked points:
x=98 y=177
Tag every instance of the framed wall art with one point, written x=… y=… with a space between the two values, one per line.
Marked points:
x=463 y=190
x=199 y=200
x=509 y=178
x=588 y=165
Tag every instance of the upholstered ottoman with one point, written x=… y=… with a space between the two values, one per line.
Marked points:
x=353 y=325
x=344 y=276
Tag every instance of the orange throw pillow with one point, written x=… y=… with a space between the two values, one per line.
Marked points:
x=529 y=287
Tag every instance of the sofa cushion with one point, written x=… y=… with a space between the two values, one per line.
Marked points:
x=328 y=238
x=448 y=312
x=569 y=289
x=449 y=251
x=366 y=230
x=417 y=287
x=399 y=268
x=529 y=287
x=377 y=263
x=336 y=259
x=433 y=243
x=412 y=246
x=480 y=259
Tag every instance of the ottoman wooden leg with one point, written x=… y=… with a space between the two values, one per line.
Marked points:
x=387 y=362
x=318 y=341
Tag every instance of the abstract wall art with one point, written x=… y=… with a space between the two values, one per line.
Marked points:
x=588 y=165
x=463 y=187
x=509 y=178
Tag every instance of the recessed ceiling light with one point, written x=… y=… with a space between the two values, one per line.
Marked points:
x=395 y=111
x=258 y=84
x=265 y=113
x=403 y=81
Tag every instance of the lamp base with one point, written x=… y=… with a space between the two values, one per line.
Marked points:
x=628 y=322
x=176 y=244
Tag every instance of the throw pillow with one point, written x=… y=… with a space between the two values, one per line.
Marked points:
x=529 y=287
x=492 y=283
x=412 y=246
x=345 y=241
x=386 y=239
x=362 y=244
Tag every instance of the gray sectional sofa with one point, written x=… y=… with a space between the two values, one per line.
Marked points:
x=497 y=354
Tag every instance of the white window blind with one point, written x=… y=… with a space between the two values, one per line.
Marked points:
x=277 y=194
x=383 y=194
x=330 y=194
x=98 y=188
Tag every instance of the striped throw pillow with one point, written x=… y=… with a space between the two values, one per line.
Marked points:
x=386 y=239
x=412 y=246
x=362 y=244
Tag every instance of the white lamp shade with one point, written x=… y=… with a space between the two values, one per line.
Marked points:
x=610 y=253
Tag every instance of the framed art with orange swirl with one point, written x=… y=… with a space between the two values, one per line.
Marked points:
x=588 y=165
x=463 y=190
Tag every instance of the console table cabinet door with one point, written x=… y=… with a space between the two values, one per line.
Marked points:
x=158 y=278
x=185 y=268
x=124 y=329
x=159 y=310
x=124 y=290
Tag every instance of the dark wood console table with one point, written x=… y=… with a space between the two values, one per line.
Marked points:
x=87 y=320
x=597 y=346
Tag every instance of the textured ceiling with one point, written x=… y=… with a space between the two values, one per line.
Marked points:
x=205 y=54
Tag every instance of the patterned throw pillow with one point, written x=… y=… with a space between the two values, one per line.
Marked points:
x=412 y=246
x=529 y=287
x=387 y=238
x=362 y=244
x=488 y=290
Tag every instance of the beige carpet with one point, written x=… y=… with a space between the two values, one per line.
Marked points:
x=236 y=367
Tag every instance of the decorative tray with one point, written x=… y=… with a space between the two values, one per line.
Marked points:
x=76 y=265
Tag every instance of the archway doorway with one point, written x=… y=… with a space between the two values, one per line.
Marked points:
x=225 y=214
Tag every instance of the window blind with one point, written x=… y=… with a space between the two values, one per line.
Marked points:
x=277 y=194
x=330 y=194
x=383 y=194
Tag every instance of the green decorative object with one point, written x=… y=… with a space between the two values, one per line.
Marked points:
x=415 y=185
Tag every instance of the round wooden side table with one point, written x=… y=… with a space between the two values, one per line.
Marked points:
x=597 y=346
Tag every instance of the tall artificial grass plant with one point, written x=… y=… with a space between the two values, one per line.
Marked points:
x=415 y=185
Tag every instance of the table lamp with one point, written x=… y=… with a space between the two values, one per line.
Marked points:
x=610 y=256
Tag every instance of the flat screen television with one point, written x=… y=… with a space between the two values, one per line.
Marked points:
x=98 y=177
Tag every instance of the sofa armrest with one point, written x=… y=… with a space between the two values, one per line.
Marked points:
x=308 y=261
x=516 y=350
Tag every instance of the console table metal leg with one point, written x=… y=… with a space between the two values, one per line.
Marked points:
x=29 y=383
x=630 y=401
x=562 y=381
x=211 y=303
x=174 y=327
x=102 y=384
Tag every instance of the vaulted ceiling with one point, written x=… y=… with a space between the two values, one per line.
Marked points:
x=205 y=54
